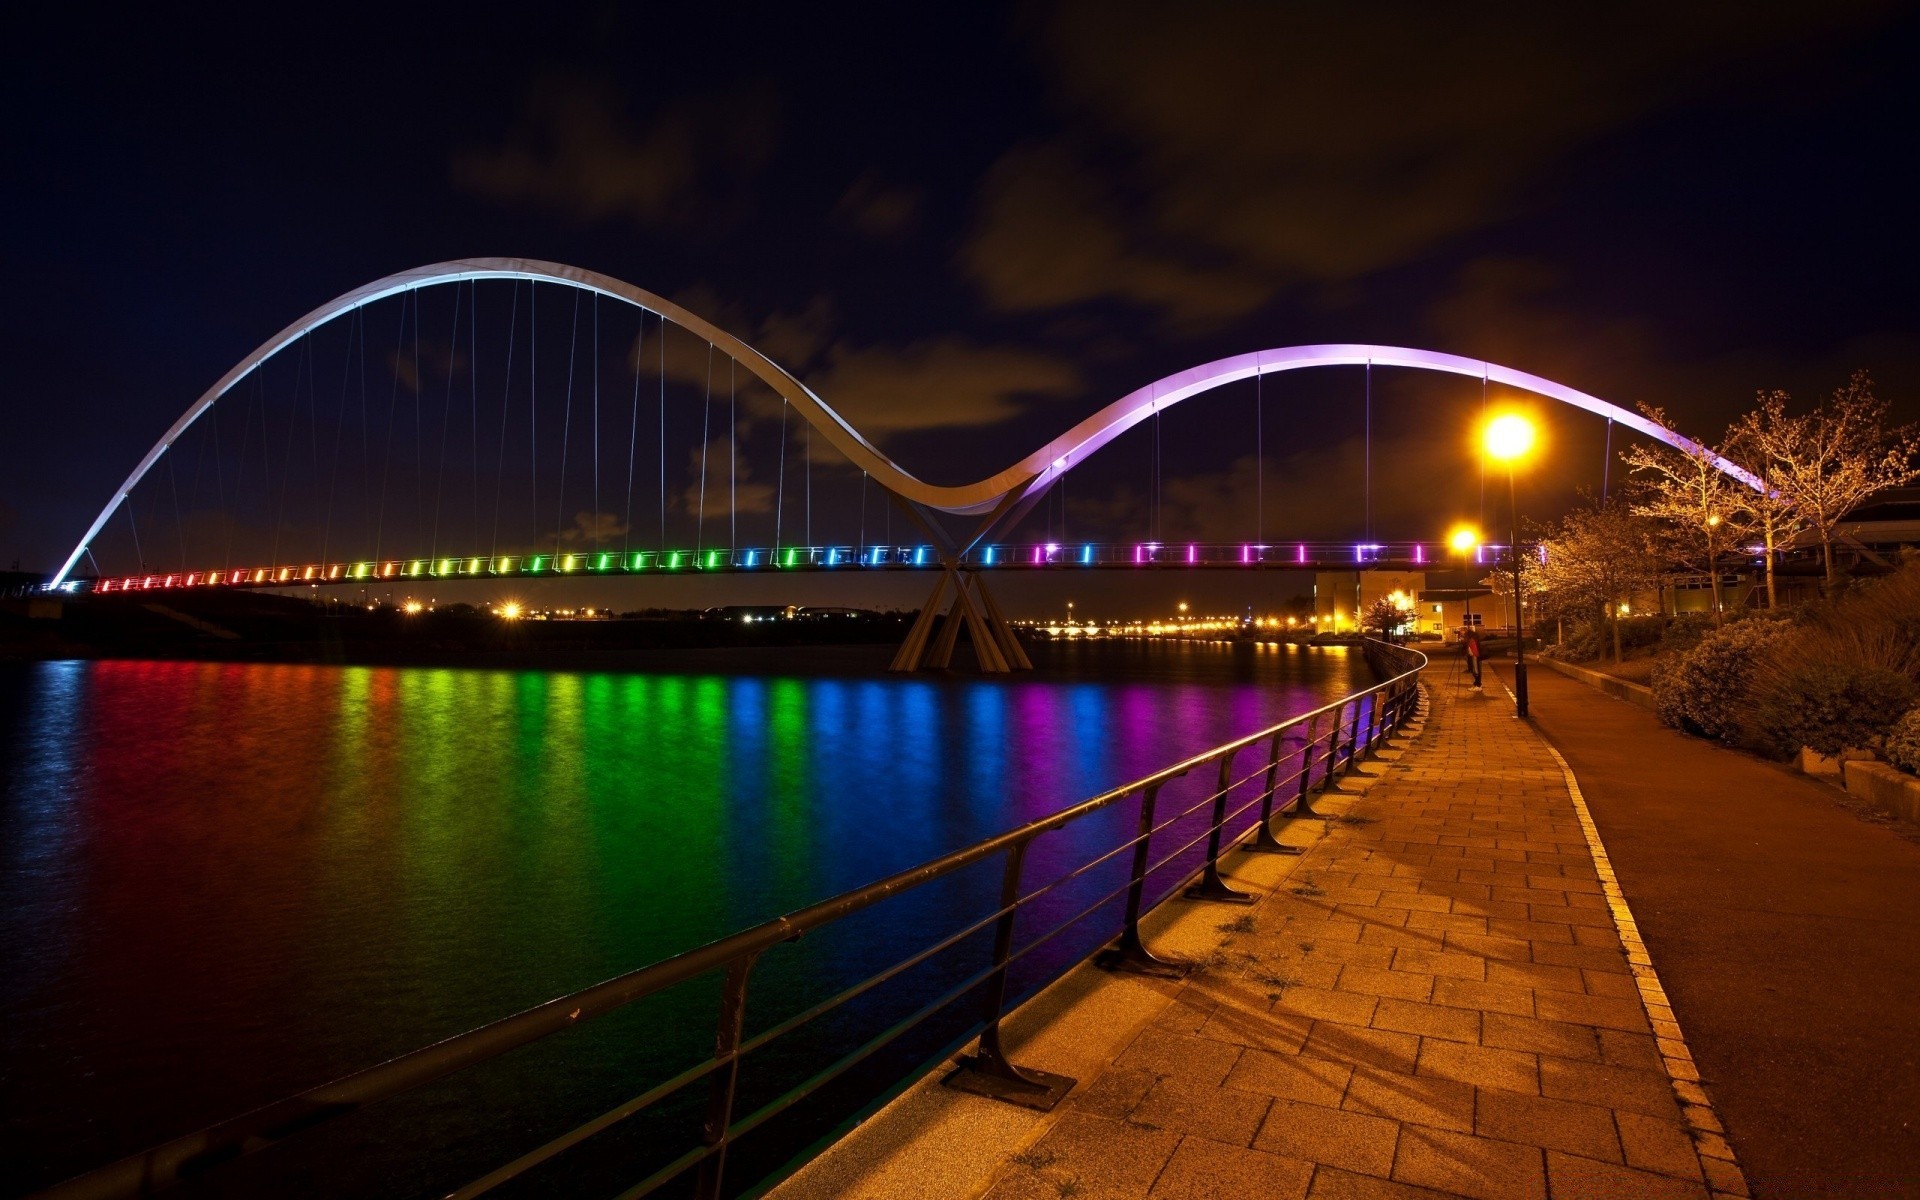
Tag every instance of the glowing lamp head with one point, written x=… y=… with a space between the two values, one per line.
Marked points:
x=1713 y=521
x=1509 y=437
x=1463 y=539
x=510 y=611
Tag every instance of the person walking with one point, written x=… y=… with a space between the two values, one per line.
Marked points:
x=1473 y=654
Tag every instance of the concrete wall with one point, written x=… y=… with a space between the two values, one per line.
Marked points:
x=1634 y=693
x=1893 y=790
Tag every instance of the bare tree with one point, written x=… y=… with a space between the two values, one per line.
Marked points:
x=1760 y=441
x=1827 y=462
x=1706 y=510
x=1596 y=559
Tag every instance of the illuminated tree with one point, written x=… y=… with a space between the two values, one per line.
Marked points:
x=1596 y=559
x=1827 y=462
x=1705 y=510
x=1759 y=441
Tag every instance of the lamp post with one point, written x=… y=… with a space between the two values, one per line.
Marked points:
x=1508 y=439
x=1463 y=540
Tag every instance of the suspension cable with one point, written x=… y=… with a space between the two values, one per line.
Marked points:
x=1368 y=453
x=809 y=509
x=733 y=457
x=663 y=433
x=633 y=433
x=860 y=548
x=533 y=405
x=393 y=406
x=1259 y=458
x=506 y=403
x=780 y=488
x=179 y=526
x=1606 y=461
x=566 y=425
x=293 y=426
x=339 y=437
x=596 y=421
x=473 y=396
x=706 y=412
x=446 y=423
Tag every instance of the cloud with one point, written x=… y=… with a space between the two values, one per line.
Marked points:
x=572 y=151
x=938 y=383
x=1048 y=236
x=1212 y=154
x=884 y=212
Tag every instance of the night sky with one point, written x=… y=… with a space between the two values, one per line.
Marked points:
x=968 y=229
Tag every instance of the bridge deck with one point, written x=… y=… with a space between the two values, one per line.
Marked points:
x=1131 y=556
x=1435 y=996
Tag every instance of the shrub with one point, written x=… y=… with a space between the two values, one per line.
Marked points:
x=1590 y=638
x=1832 y=706
x=1684 y=632
x=1903 y=742
x=1705 y=690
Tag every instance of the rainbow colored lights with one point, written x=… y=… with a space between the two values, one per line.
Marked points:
x=1040 y=556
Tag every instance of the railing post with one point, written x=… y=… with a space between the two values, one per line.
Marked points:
x=988 y=1071
x=1329 y=782
x=1130 y=954
x=726 y=1044
x=1211 y=886
x=1303 y=803
x=1263 y=839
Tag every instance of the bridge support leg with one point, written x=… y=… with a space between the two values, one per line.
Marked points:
x=991 y=637
x=1016 y=654
x=913 y=650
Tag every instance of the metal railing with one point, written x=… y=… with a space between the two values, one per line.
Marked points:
x=1295 y=759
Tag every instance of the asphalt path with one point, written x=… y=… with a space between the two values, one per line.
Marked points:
x=1785 y=928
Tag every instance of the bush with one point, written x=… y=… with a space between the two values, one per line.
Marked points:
x=1705 y=690
x=1590 y=639
x=1903 y=742
x=1832 y=706
x=1683 y=633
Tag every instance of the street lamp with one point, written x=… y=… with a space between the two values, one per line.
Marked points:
x=1508 y=439
x=1463 y=539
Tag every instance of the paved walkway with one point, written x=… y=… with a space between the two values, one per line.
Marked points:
x=1787 y=931
x=1433 y=1000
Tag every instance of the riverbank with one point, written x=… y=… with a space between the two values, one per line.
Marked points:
x=1434 y=999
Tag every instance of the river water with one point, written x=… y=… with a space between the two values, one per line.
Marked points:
x=220 y=883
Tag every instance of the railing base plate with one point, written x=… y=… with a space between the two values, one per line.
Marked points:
x=1273 y=848
x=1051 y=1089
x=1137 y=962
x=1218 y=893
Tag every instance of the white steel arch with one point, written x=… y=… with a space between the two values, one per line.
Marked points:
x=1000 y=493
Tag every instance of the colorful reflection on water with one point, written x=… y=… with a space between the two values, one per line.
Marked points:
x=223 y=883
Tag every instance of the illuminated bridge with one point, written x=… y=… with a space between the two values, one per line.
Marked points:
x=366 y=445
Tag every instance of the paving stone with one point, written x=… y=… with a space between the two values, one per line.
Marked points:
x=1223 y=1114
x=1363 y=1046
x=1428 y=1020
x=1328 y=1004
x=1487 y=997
x=1269 y=1029
x=1373 y=981
x=1206 y=1170
x=1550 y=1124
x=1180 y=1056
x=1574 y=1178
x=1601 y=1011
x=1330 y=1183
x=1614 y=1087
x=1481 y=1066
x=1093 y=1154
x=1470 y=1166
x=1313 y=1080
x=1348 y=1140
x=1655 y=1145
x=1539 y=1037
x=1417 y=1099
